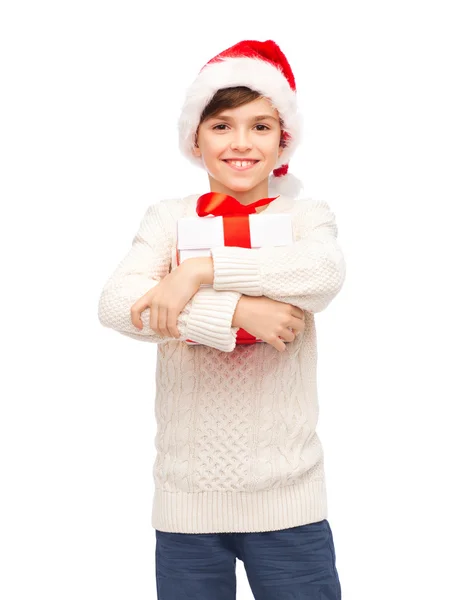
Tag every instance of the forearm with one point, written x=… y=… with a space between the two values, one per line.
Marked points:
x=308 y=273
x=206 y=318
x=243 y=306
x=202 y=267
x=237 y=315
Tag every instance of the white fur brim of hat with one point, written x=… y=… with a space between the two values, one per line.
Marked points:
x=257 y=74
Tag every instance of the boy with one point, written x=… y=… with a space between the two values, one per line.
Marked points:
x=239 y=470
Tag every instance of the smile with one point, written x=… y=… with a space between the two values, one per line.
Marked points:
x=241 y=165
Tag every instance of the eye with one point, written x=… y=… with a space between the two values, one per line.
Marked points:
x=222 y=126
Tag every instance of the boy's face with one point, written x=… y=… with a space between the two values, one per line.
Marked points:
x=250 y=133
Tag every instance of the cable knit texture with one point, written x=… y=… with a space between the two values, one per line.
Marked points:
x=237 y=447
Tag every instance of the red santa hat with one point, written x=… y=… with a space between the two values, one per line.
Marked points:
x=262 y=67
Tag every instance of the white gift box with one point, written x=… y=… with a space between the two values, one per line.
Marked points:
x=197 y=235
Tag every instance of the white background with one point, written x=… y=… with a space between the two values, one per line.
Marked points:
x=91 y=93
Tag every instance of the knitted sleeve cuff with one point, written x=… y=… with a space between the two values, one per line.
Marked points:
x=209 y=320
x=237 y=269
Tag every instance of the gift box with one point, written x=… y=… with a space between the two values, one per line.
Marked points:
x=197 y=235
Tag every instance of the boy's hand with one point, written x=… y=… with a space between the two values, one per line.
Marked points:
x=269 y=320
x=166 y=300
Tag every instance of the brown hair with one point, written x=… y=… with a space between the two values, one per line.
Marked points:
x=232 y=97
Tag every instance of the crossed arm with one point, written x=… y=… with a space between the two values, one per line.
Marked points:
x=307 y=274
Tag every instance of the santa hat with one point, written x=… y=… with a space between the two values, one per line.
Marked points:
x=262 y=67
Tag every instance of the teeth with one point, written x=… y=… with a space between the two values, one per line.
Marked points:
x=241 y=163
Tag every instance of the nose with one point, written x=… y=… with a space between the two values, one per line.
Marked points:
x=241 y=141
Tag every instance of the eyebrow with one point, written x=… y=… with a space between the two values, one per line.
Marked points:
x=257 y=118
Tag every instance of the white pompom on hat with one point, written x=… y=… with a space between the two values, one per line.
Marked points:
x=262 y=67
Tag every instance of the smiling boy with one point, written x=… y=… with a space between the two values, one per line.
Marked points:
x=240 y=147
x=239 y=471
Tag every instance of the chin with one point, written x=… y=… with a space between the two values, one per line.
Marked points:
x=240 y=187
x=235 y=186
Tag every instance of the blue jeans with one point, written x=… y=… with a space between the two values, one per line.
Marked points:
x=296 y=563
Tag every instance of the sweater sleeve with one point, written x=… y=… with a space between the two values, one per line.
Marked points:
x=307 y=274
x=206 y=318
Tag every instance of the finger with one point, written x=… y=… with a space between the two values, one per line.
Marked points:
x=154 y=309
x=298 y=324
x=288 y=335
x=298 y=313
x=162 y=321
x=278 y=344
x=172 y=323
x=137 y=309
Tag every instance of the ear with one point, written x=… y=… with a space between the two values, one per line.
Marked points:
x=196 y=150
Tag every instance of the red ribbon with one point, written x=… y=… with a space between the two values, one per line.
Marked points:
x=223 y=205
x=236 y=228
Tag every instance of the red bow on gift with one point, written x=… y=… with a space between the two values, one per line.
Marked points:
x=236 y=228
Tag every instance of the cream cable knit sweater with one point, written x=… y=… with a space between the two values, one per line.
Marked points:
x=237 y=448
